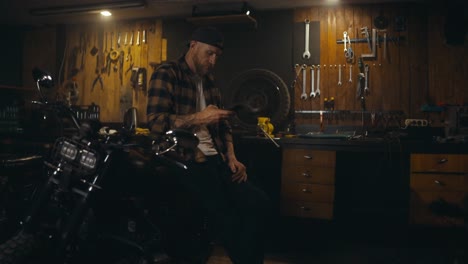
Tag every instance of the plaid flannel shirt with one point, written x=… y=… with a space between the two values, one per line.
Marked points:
x=172 y=92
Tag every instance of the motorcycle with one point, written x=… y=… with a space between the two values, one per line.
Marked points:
x=109 y=197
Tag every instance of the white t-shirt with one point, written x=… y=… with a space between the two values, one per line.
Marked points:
x=206 y=144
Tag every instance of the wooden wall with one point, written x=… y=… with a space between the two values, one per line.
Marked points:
x=418 y=70
x=117 y=93
x=75 y=71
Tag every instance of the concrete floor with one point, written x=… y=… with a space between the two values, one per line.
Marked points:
x=329 y=244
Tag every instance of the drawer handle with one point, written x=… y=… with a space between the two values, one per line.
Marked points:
x=439 y=183
x=305 y=190
x=441 y=161
x=303 y=208
x=307 y=157
x=305 y=174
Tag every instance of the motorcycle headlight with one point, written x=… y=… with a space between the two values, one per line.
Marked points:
x=69 y=150
x=88 y=159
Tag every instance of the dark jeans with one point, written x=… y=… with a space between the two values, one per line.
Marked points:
x=237 y=210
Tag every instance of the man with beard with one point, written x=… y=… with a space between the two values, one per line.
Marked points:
x=182 y=94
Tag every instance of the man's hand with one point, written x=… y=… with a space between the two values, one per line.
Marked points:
x=212 y=115
x=238 y=169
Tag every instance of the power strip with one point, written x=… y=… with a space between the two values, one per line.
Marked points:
x=416 y=122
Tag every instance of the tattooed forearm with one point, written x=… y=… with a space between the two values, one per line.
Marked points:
x=185 y=121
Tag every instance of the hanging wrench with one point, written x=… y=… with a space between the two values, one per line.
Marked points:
x=366 y=76
x=349 y=53
x=306 y=54
x=345 y=39
x=317 y=92
x=304 y=94
x=365 y=31
x=339 y=74
x=312 y=73
x=350 y=73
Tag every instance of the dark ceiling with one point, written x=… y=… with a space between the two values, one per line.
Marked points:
x=15 y=12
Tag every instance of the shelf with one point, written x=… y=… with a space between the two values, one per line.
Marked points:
x=223 y=20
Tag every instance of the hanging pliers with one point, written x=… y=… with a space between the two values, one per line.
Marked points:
x=98 y=77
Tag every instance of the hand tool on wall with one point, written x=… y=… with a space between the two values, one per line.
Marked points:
x=114 y=53
x=83 y=44
x=297 y=72
x=131 y=38
x=94 y=50
x=98 y=77
x=112 y=41
x=143 y=40
x=345 y=40
x=361 y=64
x=134 y=77
x=360 y=90
x=121 y=64
x=373 y=45
x=312 y=81
x=304 y=94
x=125 y=39
x=306 y=54
x=138 y=78
x=317 y=92
x=108 y=64
x=129 y=54
x=350 y=73
x=118 y=40
x=138 y=38
x=339 y=75
x=365 y=32
x=348 y=51
x=366 y=76
x=129 y=68
x=106 y=55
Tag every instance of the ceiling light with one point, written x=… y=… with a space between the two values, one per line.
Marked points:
x=87 y=8
x=106 y=13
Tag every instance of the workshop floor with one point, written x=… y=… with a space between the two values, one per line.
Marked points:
x=332 y=245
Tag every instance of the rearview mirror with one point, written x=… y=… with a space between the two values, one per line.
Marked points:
x=43 y=80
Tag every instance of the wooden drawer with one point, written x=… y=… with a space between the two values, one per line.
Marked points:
x=308 y=192
x=439 y=182
x=452 y=163
x=436 y=177
x=422 y=216
x=307 y=209
x=308 y=174
x=420 y=212
x=425 y=198
x=309 y=157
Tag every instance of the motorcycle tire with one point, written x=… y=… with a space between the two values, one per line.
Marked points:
x=17 y=249
x=264 y=93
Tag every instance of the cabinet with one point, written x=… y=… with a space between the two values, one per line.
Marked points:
x=439 y=189
x=308 y=183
